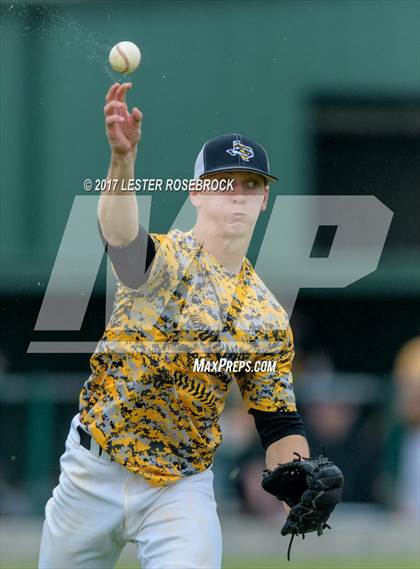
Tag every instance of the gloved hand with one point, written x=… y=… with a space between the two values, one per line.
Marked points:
x=311 y=487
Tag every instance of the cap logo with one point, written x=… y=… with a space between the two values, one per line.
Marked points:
x=245 y=152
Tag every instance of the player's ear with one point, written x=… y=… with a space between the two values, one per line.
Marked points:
x=265 y=200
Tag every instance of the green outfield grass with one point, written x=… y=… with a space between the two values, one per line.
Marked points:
x=280 y=563
x=337 y=563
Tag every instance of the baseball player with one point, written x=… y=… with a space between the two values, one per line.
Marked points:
x=190 y=316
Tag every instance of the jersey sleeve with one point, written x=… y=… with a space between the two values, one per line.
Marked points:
x=150 y=257
x=275 y=425
x=131 y=263
x=270 y=390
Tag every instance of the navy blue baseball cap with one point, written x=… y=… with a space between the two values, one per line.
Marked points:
x=232 y=152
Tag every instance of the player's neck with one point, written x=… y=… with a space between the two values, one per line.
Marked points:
x=229 y=251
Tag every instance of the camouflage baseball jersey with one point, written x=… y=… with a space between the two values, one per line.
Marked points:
x=144 y=403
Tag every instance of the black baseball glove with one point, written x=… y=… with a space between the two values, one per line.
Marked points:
x=311 y=487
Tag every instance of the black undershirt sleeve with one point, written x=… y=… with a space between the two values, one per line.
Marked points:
x=132 y=261
x=274 y=425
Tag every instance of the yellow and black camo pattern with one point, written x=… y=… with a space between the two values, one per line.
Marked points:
x=143 y=402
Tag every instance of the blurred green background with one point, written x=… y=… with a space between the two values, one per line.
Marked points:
x=332 y=90
x=210 y=67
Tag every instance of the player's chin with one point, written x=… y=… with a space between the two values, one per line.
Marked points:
x=237 y=228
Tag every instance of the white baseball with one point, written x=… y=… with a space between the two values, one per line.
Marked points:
x=125 y=57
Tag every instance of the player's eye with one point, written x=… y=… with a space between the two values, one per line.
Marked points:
x=253 y=183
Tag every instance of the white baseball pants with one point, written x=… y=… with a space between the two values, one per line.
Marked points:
x=99 y=506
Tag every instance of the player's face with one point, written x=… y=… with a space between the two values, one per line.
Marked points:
x=233 y=211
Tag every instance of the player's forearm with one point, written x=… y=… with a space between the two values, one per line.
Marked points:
x=117 y=208
x=282 y=450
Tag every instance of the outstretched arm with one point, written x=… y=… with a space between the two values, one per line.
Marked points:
x=118 y=215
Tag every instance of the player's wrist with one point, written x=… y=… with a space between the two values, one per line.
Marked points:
x=123 y=159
